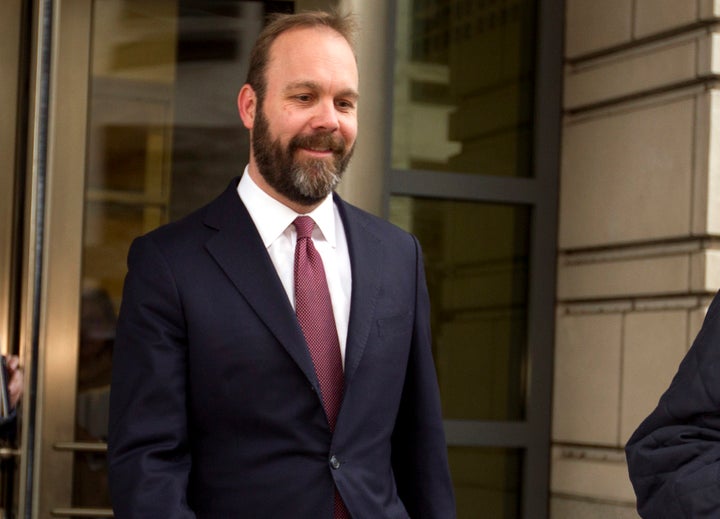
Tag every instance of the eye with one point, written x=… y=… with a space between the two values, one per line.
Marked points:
x=303 y=98
x=345 y=105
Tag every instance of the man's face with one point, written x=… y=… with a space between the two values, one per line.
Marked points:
x=305 y=180
x=304 y=131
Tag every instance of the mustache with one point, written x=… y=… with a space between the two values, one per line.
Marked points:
x=322 y=140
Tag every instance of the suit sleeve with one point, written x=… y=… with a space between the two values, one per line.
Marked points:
x=419 y=458
x=674 y=455
x=148 y=453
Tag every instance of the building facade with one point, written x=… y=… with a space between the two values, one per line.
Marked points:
x=638 y=230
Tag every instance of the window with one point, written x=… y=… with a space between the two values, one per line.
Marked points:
x=473 y=174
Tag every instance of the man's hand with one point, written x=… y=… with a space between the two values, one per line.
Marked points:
x=15 y=379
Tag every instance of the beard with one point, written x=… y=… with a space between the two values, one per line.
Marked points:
x=306 y=181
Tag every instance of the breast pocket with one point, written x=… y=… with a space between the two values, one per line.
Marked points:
x=394 y=325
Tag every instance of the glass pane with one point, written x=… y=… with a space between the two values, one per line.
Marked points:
x=463 y=95
x=487 y=482
x=164 y=138
x=476 y=260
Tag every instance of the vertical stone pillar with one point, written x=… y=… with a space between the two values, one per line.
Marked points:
x=639 y=228
x=364 y=182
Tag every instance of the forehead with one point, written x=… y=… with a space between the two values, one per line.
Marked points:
x=315 y=54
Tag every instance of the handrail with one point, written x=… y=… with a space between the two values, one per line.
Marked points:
x=81 y=512
x=79 y=446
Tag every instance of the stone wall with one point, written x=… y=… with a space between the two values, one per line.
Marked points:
x=639 y=245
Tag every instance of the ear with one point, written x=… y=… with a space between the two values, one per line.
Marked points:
x=247 y=104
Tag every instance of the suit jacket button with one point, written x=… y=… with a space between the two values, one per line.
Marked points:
x=334 y=462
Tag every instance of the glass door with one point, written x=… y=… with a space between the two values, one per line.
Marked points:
x=142 y=129
x=14 y=28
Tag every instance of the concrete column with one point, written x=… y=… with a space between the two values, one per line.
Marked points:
x=364 y=180
x=363 y=183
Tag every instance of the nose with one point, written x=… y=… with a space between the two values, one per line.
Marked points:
x=325 y=116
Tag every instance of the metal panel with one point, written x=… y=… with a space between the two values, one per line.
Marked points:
x=541 y=331
x=487 y=434
x=55 y=207
x=462 y=186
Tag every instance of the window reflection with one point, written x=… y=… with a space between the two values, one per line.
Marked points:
x=164 y=138
x=476 y=260
x=463 y=96
x=488 y=481
x=97 y=333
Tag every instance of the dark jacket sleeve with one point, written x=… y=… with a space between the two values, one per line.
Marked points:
x=419 y=450
x=674 y=455
x=148 y=452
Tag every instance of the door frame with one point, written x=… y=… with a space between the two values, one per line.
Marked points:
x=50 y=299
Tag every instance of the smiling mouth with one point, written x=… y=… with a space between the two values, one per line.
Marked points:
x=318 y=145
x=317 y=151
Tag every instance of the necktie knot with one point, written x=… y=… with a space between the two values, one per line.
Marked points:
x=304 y=226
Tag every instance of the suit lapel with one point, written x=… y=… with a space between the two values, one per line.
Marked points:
x=366 y=257
x=240 y=252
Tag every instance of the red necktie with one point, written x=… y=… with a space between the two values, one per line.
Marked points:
x=313 y=308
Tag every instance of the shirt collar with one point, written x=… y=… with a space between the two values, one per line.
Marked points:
x=271 y=217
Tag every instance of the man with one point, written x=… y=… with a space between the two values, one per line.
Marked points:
x=674 y=455
x=248 y=380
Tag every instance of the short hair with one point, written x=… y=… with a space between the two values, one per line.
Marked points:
x=343 y=24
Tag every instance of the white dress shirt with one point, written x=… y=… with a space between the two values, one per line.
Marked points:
x=273 y=221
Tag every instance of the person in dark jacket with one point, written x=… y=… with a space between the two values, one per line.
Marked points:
x=266 y=366
x=674 y=455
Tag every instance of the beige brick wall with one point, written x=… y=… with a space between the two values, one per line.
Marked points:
x=638 y=258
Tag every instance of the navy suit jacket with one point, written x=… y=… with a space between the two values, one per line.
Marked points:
x=674 y=455
x=215 y=408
